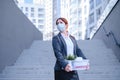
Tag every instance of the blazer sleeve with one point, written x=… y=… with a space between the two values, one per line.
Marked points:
x=79 y=51
x=58 y=52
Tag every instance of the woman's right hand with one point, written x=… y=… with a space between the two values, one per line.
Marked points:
x=68 y=68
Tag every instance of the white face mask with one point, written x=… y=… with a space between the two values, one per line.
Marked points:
x=61 y=27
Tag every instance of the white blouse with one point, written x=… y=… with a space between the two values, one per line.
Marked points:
x=69 y=44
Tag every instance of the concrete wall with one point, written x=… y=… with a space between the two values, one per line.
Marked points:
x=112 y=23
x=16 y=32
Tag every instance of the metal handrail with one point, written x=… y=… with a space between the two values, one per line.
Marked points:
x=113 y=36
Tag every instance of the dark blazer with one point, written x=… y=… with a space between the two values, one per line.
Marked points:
x=60 y=51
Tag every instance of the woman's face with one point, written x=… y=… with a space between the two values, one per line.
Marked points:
x=60 y=21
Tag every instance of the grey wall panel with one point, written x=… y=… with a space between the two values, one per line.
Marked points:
x=112 y=23
x=16 y=32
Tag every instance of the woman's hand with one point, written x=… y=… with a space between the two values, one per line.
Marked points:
x=68 y=68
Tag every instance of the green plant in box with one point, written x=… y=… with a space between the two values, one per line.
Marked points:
x=71 y=57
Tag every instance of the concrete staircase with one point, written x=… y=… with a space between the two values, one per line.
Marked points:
x=37 y=63
x=103 y=63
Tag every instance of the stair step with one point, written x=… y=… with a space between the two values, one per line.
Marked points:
x=26 y=76
x=37 y=62
x=99 y=78
x=26 y=79
x=28 y=69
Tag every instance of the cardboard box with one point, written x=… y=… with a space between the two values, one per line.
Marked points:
x=79 y=64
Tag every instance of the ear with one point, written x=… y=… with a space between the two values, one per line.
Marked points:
x=66 y=26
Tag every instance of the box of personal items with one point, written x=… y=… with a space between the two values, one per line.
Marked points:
x=78 y=63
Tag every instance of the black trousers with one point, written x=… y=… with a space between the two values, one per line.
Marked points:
x=63 y=75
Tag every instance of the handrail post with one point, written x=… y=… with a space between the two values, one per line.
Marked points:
x=113 y=36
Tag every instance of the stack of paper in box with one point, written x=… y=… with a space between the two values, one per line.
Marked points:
x=79 y=64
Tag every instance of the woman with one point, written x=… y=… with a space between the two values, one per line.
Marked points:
x=64 y=45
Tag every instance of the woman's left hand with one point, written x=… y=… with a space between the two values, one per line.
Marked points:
x=68 y=68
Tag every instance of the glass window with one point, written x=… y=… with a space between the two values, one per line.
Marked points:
x=40 y=21
x=85 y=10
x=22 y=8
x=26 y=14
x=32 y=9
x=91 y=28
x=79 y=11
x=26 y=9
x=91 y=18
x=79 y=33
x=98 y=2
x=80 y=22
x=98 y=12
x=40 y=26
x=79 y=1
x=32 y=14
x=34 y=20
x=91 y=4
x=40 y=9
x=40 y=15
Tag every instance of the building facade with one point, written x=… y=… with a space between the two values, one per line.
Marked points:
x=108 y=28
x=60 y=9
x=39 y=12
x=78 y=15
x=96 y=8
x=82 y=15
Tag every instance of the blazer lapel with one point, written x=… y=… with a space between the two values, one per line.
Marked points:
x=64 y=44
